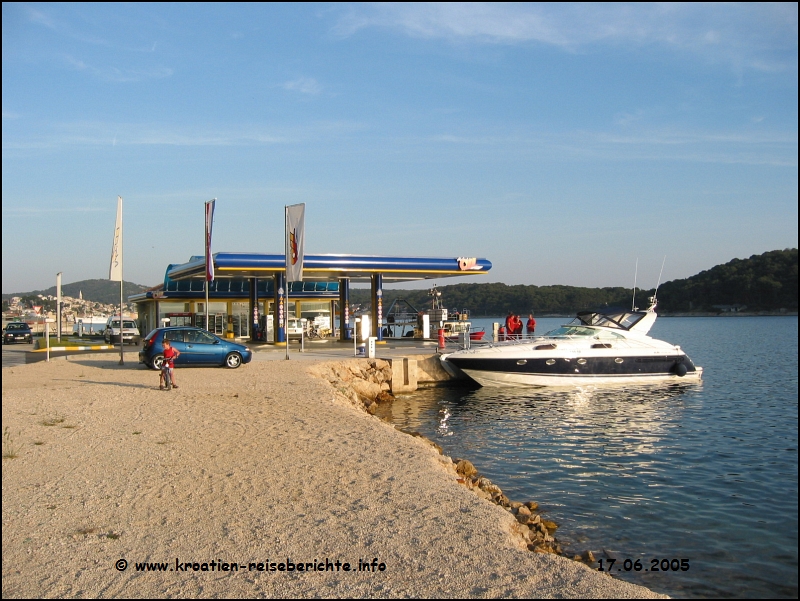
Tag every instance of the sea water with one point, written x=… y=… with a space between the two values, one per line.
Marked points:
x=700 y=472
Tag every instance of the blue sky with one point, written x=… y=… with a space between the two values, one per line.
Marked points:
x=561 y=142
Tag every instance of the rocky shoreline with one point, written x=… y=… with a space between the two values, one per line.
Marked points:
x=365 y=384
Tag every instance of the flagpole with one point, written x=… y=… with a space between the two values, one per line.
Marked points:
x=121 y=280
x=206 y=278
x=121 y=360
x=209 y=276
x=286 y=256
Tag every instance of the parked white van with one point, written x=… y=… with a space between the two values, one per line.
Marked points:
x=130 y=333
x=296 y=328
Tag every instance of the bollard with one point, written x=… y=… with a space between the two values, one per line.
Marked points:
x=441 y=338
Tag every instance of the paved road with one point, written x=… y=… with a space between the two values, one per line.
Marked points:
x=18 y=354
x=330 y=349
x=14 y=354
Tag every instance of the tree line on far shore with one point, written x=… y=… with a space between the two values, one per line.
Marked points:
x=766 y=282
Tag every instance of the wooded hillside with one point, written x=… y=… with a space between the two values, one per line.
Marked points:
x=766 y=282
x=98 y=291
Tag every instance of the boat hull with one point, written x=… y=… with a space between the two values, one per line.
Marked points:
x=572 y=371
x=496 y=378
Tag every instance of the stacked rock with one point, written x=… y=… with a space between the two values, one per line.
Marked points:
x=538 y=533
x=364 y=382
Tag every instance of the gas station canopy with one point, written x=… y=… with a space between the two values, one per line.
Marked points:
x=357 y=268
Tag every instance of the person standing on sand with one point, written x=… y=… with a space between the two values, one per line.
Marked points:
x=170 y=354
x=531 y=325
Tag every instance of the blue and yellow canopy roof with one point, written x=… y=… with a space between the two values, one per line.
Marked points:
x=357 y=268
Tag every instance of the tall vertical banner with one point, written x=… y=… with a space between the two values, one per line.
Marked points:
x=115 y=271
x=209 y=257
x=209 y=225
x=295 y=238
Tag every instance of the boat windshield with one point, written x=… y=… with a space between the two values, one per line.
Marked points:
x=570 y=330
x=623 y=320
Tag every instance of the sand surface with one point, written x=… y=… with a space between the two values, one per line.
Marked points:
x=260 y=464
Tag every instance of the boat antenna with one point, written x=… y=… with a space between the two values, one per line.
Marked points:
x=655 y=294
x=635 y=273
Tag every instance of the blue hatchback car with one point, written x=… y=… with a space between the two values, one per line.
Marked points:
x=196 y=347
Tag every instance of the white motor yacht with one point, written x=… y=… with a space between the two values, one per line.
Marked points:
x=595 y=348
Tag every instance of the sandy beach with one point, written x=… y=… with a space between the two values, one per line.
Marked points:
x=235 y=471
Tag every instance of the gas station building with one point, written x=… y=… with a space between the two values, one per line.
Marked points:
x=247 y=295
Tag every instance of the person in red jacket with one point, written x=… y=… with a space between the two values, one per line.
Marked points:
x=509 y=326
x=170 y=354
x=531 y=325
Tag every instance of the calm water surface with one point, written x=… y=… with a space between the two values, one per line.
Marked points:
x=702 y=472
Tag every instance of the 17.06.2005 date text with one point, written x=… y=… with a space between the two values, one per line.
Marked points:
x=656 y=565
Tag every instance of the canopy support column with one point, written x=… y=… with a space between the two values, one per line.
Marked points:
x=377 y=306
x=254 y=309
x=278 y=320
x=344 y=310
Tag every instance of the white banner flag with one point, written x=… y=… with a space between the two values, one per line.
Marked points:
x=209 y=224
x=295 y=238
x=115 y=271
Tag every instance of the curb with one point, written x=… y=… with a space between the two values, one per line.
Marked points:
x=97 y=347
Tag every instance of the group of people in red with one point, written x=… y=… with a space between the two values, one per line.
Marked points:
x=513 y=327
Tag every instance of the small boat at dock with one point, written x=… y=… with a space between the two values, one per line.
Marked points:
x=455 y=329
x=405 y=321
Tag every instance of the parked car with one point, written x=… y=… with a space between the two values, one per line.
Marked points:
x=17 y=331
x=196 y=347
x=130 y=332
x=296 y=328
